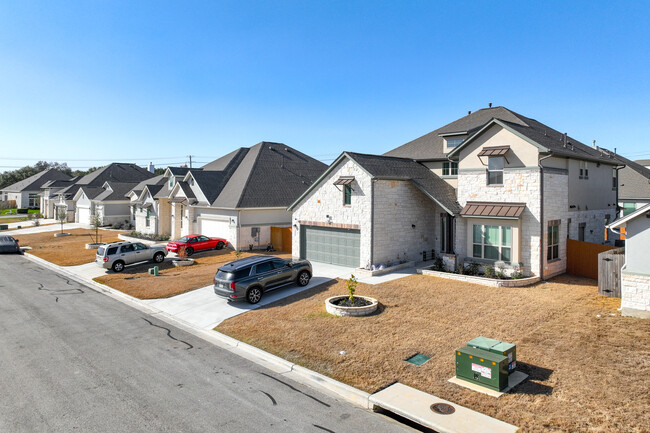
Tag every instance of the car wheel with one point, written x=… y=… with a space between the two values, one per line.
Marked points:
x=158 y=258
x=303 y=278
x=253 y=295
x=118 y=266
x=189 y=251
x=219 y=245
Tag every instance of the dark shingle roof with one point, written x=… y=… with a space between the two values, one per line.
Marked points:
x=118 y=193
x=643 y=162
x=210 y=182
x=164 y=191
x=633 y=180
x=430 y=146
x=385 y=167
x=116 y=172
x=180 y=171
x=226 y=160
x=267 y=175
x=156 y=180
x=34 y=183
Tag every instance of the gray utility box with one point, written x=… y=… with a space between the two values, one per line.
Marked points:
x=499 y=347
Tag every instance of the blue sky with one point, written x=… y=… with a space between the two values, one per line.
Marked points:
x=92 y=82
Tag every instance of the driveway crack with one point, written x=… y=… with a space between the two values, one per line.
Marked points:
x=296 y=389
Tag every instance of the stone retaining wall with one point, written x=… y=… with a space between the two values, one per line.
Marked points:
x=480 y=280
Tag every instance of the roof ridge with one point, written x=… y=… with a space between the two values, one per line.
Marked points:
x=251 y=171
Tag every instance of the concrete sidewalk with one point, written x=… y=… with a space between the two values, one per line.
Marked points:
x=30 y=229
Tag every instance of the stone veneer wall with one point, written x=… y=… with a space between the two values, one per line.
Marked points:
x=406 y=223
x=556 y=205
x=594 y=220
x=635 y=294
x=327 y=199
x=520 y=186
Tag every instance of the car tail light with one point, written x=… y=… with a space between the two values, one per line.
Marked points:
x=232 y=285
x=105 y=259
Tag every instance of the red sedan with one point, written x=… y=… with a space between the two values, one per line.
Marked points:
x=193 y=243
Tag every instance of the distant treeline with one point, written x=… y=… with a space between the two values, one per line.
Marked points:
x=10 y=177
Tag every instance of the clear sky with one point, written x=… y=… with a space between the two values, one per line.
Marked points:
x=89 y=82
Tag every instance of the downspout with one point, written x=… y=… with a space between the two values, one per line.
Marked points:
x=238 y=230
x=372 y=220
x=541 y=215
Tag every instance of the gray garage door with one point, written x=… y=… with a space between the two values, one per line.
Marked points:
x=327 y=245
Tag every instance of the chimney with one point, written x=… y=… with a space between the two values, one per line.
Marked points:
x=593 y=144
x=490 y=105
x=469 y=112
x=150 y=168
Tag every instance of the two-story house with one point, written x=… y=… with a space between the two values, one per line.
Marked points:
x=501 y=189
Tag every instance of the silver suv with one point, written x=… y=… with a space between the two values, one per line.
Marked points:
x=119 y=254
x=251 y=277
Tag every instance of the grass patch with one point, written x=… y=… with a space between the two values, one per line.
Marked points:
x=67 y=250
x=172 y=280
x=12 y=220
x=587 y=373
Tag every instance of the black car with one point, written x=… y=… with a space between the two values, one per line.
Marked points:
x=9 y=245
x=251 y=277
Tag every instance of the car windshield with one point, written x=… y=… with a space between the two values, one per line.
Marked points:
x=183 y=240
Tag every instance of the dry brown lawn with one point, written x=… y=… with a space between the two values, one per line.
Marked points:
x=12 y=220
x=587 y=373
x=68 y=250
x=171 y=280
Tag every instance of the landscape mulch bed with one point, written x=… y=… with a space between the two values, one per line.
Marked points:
x=172 y=280
x=589 y=367
x=66 y=250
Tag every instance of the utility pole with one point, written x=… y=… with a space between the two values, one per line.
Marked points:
x=190 y=156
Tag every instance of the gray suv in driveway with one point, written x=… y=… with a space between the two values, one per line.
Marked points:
x=119 y=254
x=251 y=277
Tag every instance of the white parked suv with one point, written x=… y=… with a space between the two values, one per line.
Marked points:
x=119 y=254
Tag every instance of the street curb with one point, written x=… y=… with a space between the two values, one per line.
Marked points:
x=274 y=363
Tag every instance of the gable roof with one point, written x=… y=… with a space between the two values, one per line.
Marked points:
x=34 y=183
x=117 y=172
x=643 y=162
x=266 y=175
x=180 y=171
x=394 y=168
x=209 y=182
x=138 y=188
x=222 y=163
x=622 y=221
x=116 y=192
x=431 y=147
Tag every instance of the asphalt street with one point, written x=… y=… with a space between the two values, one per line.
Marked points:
x=72 y=359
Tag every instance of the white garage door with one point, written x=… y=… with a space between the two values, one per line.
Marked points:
x=84 y=215
x=214 y=228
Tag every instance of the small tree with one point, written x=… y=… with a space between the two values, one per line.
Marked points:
x=95 y=222
x=61 y=216
x=352 y=286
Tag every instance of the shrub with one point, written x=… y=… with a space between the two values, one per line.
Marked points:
x=437 y=264
x=517 y=275
x=122 y=225
x=461 y=269
x=489 y=272
x=352 y=285
x=148 y=236
x=501 y=272
x=472 y=269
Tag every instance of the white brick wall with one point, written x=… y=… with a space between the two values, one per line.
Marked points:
x=327 y=199
x=398 y=207
x=635 y=294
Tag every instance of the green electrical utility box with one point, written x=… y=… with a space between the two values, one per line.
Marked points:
x=496 y=346
x=482 y=367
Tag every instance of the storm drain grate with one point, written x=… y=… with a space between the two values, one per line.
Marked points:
x=418 y=359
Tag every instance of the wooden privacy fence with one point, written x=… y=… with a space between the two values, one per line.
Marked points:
x=609 y=272
x=582 y=257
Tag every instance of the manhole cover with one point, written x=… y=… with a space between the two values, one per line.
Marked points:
x=443 y=408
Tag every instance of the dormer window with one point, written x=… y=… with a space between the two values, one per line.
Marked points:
x=453 y=142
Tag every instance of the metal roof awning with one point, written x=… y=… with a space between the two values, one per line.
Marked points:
x=493 y=210
x=344 y=180
x=178 y=200
x=494 y=151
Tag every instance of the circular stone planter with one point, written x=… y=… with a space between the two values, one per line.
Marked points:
x=60 y=235
x=183 y=262
x=94 y=245
x=338 y=310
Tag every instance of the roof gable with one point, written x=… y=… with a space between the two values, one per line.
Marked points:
x=34 y=183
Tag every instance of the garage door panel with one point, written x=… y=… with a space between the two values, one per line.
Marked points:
x=215 y=228
x=329 y=245
x=84 y=215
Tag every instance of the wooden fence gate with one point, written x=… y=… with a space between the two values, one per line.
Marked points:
x=582 y=257
x=609 y=272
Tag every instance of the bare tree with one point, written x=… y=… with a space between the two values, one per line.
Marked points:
x=61 y=216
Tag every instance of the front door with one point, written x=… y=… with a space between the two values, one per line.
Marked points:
x=446 y=233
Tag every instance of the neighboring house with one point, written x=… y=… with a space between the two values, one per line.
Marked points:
x=49 y=197
x=100 y=185
x=145 y=209
x=243 y=196
x=643 y=162
x=635 y=274
x=27 y=192
x=504 y=202
x=633 y=185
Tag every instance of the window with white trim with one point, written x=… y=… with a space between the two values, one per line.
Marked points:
x=34 y=201
x=450 y=168
x=347 y=195
x=453 y=142
x=584 y=170
x=553 y=240
x=492 y=242
x=495 y=170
